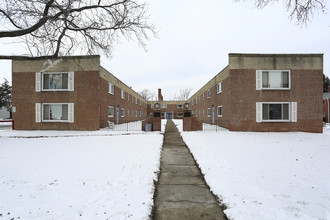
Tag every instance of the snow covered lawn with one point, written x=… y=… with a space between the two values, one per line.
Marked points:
x=263 y=176
x=76 y=176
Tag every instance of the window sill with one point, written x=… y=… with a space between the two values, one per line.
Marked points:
x=276 y=89
x=110 y=116
x=56 y=121
x=271 y=121
x=56 y=90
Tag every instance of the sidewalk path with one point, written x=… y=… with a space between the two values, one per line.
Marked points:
x=181 y=192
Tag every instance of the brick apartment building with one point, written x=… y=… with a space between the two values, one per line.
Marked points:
x=264 y=92
x=255 y=92
x=70 y=93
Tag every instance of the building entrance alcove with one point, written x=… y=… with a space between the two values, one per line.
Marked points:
x=169 y=115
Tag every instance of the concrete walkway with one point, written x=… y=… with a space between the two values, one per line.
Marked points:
x=181 y=192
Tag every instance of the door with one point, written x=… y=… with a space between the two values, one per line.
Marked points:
x=169 y=115
x=213 y=114
x=117 y=114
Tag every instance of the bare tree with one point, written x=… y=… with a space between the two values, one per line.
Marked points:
x=56 y=27
x=301 y=10
x=184 y=94
x=146 y=94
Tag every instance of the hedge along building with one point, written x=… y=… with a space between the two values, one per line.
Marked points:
x=264 y=92
x=70 y=93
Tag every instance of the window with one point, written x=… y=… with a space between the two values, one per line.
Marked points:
x=140 y=102
x=57 y=112
x=163 y=106
x=152 y=106
x=276 y=112
x=203 y=96
x=180 y=106
x=196 y=101
x=136 y=113
x=140 y=114
x=111 y=112
x=180 y=114
x=219 y=88
x=56 y=81
x=122 y=113
x=122 y=94
x=127 y=96
x=162 y=114
x=127 y=112
x=111 y=88
x=219 y=111
x=208 y=93
x=135 y=100
x=273 y=79
x=208 y=112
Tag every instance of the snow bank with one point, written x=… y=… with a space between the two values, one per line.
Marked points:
x=90 y=177
x=266 y=175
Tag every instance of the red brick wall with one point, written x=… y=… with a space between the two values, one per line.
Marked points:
x=326 y=110
x=114 y=100
x=221 y=99
x=306 y=90
x=85 y=97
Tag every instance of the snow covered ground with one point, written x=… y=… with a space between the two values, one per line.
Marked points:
x=77 y=174
x=266 y=175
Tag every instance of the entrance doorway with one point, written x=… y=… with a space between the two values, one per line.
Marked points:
x=169 y=115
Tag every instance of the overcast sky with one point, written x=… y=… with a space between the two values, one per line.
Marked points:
x=195 y=38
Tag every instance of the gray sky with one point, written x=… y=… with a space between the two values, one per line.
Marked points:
x=195 y=38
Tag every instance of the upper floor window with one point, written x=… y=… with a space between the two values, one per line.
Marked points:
x=163 y=105
x=208 y=93
x=127 y=96
x=273 y=79
x=122 y=94
x=135 y=100
x=196 y=101
x=179 y=106
x=219 y=88
x=152 y=106
x=208 y=112
x=111 y=88
x=122 y=112
x=59 y=81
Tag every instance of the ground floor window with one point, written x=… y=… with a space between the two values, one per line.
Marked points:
x=111 y=111
x=122 y=112
x=209 y=112
x=54 y=112
x=276 y=112
x=180 y=114
x=219 y=111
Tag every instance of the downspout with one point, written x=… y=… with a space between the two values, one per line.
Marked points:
x=328 y=111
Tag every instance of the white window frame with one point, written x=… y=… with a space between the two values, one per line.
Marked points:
x=128 y=113
x=219 y=107
x=152 y=106
x=113 y=112
x=140 y=102
x=40 y=76
x=163 y=106
x=180 y=114
x=292 y=112
x=219 y=88
x=122 y=94
x=208 y=93
x=128 y=97
x=136 y=113
x=208 y=112
x=111 y=89
x=122 y=112
x=70 y=112
x=179 y=106
x=259 y=80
